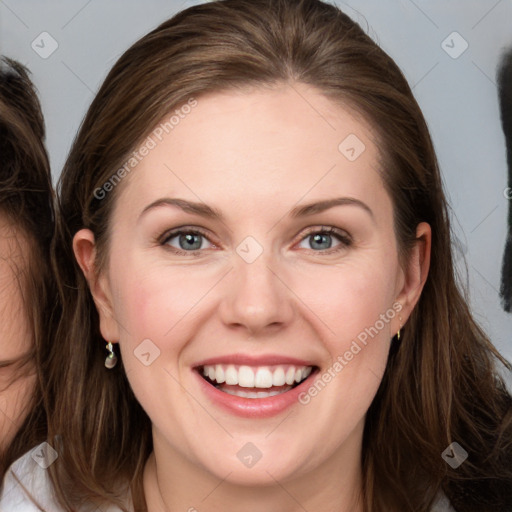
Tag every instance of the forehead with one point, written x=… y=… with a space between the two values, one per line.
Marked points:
x=279 y=143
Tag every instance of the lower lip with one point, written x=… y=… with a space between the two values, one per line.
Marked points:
x=254 y=407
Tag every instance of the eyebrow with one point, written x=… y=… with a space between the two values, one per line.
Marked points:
x=203 y=210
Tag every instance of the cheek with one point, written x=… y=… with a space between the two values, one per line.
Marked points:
x=350 y=296
x=151 y=302
x=158 y=307
x=356 y=314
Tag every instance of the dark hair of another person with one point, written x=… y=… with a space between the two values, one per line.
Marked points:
x=27 y=202
x=505 y=99
x=441 y=383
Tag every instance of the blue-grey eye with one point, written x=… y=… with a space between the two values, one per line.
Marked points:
x=187 y=240
x=322 y=239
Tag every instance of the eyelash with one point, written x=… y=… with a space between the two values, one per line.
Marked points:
x=343 y=237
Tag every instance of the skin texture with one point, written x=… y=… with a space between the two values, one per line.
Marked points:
x=254 y=155
x=15 y=332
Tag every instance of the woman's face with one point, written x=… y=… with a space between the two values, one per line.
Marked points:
x=16 y=384
x=254 y=292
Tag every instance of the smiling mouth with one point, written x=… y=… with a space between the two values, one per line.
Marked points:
x=255 y=381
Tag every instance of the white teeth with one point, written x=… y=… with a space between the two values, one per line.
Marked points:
x=290 y=376
x=245 y=377
x=263 y=378
x=219 y=376
x=278 y=378
x=231 y=375
x=255 y=394
x=256 y=377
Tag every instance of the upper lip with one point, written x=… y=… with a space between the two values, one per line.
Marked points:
x=252 y=360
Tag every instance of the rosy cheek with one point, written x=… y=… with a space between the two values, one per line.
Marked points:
x=154 y=303
x=349 y=297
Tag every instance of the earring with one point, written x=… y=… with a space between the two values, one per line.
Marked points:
x=111 y=359
x=398 y=333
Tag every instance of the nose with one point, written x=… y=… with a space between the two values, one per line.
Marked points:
x=257 y=297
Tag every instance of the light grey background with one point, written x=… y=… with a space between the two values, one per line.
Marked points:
x=458 y=96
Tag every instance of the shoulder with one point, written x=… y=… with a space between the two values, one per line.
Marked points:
x=442 y=504
x=27 y=486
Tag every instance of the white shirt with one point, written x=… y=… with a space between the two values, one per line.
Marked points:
x=31 y=471
x=28 y=478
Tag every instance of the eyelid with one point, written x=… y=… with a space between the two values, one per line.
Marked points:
x=330 y=230
x=171 y=233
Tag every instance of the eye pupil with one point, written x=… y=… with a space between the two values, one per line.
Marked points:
x=319 y=237
x=189 y=241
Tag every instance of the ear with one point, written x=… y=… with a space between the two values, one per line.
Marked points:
x=415 y=275
x=84 y=247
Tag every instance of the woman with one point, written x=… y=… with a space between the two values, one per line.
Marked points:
x=26 y=287
x=252 y=223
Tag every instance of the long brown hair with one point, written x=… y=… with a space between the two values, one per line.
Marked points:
x=441 y=385
x=27 y=200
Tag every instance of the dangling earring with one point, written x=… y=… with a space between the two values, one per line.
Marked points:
x=398 y=333
x=111 y=359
